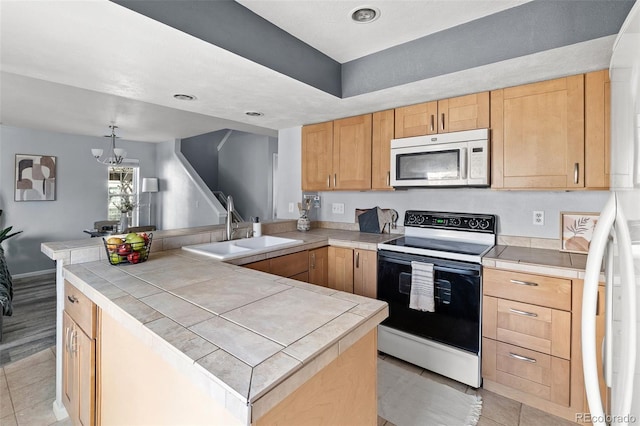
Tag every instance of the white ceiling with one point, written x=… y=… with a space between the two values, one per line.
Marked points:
x=77 y=66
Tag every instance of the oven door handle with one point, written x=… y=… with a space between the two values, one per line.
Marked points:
x=460 y=271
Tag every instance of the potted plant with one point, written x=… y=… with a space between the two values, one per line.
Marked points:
x=6 y=285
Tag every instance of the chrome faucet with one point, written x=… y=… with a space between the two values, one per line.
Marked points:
x=229 y=217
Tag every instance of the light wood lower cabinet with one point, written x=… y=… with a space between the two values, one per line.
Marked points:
x=353 y=270
x=79 y=357
x=531 y=349
x=319 y=266
x=294 y=266
x=365 y=273
x=341 y=269
x=344 y=269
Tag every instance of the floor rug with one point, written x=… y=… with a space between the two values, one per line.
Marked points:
x=406 y=399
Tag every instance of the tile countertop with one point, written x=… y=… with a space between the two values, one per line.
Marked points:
x=537 y=261
x=237 y=332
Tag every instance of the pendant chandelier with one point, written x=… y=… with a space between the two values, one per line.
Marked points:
x=115 y=156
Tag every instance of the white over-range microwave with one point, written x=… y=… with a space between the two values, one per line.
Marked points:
x=448 y=159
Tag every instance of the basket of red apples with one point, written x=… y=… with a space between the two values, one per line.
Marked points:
x=132 y=248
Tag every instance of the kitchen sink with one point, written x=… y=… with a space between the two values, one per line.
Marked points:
x=265 y=241
x=238 y=248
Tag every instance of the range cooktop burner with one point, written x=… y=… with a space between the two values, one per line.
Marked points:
x=441 y=245
x=456 y=236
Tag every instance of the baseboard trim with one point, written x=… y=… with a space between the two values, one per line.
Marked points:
x=34 y=273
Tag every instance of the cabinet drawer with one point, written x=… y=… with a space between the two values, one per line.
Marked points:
x=533 y=327
x=538 y=374
x=80 y=309
x=535 y=289
x=291 y=264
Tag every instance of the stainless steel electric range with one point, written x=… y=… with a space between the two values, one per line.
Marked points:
x=444 y=336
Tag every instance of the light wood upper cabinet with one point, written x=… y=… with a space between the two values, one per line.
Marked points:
x=317 y=156
x=336 y=155
x=597 y=137
x=466 y=112
x=341 y=269
x=365 y=273
x=416 y=120
x=352 y=153
x=552 y=134
x=463 y=113
x=381 y=135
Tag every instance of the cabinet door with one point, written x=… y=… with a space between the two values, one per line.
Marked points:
x=69 y=368
x=463 y=113
x=352 y=153
x=319 y=266
x=317 y=157
x=290 y=264
x=365 y=273
x=538 y=135
x=597 y=112
x=382 y=133
x=416 y=120
x=341 y=269
x=85 y=352
x=78 y=373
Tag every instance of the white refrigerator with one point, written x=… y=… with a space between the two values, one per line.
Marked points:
x=616 y=245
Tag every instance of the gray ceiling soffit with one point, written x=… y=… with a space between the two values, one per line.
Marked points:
x=523 y=30
x=233 y=27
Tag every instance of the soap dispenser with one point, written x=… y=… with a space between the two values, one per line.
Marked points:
x=257 y=227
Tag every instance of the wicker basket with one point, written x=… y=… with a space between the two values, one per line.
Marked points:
x=124 y=252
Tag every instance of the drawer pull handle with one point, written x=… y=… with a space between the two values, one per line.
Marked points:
x=521 y=358
x=432 y=120
x=529 y=283
x=525 y=313
x=72 y=299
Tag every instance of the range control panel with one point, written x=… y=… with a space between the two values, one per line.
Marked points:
x=453 y=221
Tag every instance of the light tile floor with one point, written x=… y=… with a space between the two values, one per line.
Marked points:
x=27 y=393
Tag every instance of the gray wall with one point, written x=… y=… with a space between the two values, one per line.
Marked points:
x=184 y=199
x=244 y=171
x=202 y=153
x=81 y=191
x=514 y=208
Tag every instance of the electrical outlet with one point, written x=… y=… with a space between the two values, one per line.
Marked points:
x=337 y=208
x=538 y=217
x=291 y=207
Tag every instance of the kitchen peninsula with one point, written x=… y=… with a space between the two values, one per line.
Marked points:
x=184 y=338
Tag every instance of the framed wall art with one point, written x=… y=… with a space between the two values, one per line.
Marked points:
x=35 y=178
x=576 y=231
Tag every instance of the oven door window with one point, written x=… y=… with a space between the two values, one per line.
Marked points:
x=435 y=165
x=456 y=320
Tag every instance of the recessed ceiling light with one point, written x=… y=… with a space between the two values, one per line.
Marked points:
x=254 y=114
x=365 y=14
x=183 y=97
